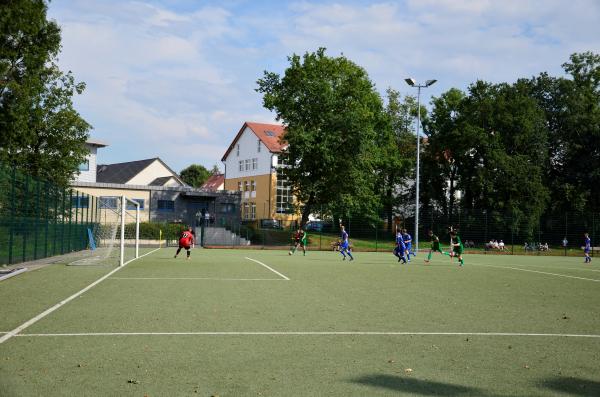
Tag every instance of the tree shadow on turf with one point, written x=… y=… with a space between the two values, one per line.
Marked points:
x=572 y=385
x=418 y=386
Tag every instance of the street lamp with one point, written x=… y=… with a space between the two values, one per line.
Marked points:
x=413 y=83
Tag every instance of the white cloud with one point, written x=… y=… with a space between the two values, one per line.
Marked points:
x=178 y=83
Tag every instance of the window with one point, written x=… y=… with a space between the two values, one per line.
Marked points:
x=258 y=146
x=281 y=161
x=241 y=165
x=227 y=208
x=238 y=150
x=85 y=166
x=247 y=165
x=269 y=133
x=108 y=202
x=131 y=206
x=283 y=199
x=80 y=201
x=246 y=213
x=246 y=186
x=253 y=186
x=254 y=164
x=240 y=186
x=166 y=205
x=252 y=210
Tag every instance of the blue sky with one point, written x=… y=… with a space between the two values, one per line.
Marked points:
x=176 y=79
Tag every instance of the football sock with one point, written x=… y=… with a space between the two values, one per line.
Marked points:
x=429 y=256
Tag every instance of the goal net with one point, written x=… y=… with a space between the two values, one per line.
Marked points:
x=114 y=238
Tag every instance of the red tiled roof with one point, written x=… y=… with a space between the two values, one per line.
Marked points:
x=214 y=182
x=269 y=134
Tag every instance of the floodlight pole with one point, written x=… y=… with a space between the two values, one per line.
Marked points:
x=412 y=83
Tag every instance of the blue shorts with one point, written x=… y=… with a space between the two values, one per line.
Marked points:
x=586 y=250
x=409 y=246
x=344 y=245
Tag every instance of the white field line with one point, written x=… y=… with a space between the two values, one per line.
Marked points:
x=196 y=278
x=35 y=319
x=271 y=269
x=314 y=333
x=537 y=271
x=566 y=268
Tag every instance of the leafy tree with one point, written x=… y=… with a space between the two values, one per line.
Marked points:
x=396 y=152
x=572 y=111
x=492 y=143
x=215 y=170
x=331 y=112
x=444 y=153
x=195 y=175
x=42 y=133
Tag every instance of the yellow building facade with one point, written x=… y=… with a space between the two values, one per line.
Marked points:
x=251 y=164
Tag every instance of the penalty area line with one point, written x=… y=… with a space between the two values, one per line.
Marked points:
x=197 y=278
x=537 y=271
x=270 y=268
x=37 y=318
x=315 y=333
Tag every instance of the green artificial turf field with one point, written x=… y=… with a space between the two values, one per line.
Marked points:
x=262 y=323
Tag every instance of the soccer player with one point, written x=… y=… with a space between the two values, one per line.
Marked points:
x=407 y=243
x=587 y=247
x=300 y=238
x=186 y=241
x=345 y=244
x=435 y=246
x=457 y=246
x=400 y=249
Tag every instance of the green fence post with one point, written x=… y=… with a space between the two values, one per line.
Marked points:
x=12 y=216
x=24 y=222
x=376 y=236
x=62 y=229
x=37 y=219
x=566 y=229
x=55 y=221
x=46 y=218
x=76 y=228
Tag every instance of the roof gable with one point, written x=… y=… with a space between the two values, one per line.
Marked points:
x=124 y=172
x=121 y=172
x=214 y=182
x=269 y=134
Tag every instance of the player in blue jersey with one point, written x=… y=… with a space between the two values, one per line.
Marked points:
x=407 y=243
x=345 y=244
x=587 y=248
x=400 y=249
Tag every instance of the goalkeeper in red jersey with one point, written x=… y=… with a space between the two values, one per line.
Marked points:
x=186 y=241
x=300 y=239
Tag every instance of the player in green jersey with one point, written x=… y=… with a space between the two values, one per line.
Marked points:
x=457 y=246
x=435 y=246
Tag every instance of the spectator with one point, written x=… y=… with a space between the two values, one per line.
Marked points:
x=501 y=245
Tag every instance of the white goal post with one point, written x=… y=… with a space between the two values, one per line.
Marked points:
x=124 y=202
x=116 y=234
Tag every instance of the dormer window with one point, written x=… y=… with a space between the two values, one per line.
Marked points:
x=269 y=133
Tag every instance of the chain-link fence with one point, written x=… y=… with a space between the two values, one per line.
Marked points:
x=483 y=231
x=39 y=219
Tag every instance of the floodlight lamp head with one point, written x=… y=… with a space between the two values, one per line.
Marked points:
x=410 y=82
x=430 y=82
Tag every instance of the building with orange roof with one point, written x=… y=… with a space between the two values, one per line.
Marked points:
x=251 y=163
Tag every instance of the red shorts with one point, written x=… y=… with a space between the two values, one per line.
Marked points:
x=184 y=243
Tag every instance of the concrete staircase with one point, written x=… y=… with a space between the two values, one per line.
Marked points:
x=222 y=236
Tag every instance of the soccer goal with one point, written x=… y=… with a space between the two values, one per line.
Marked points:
x=115 y=237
